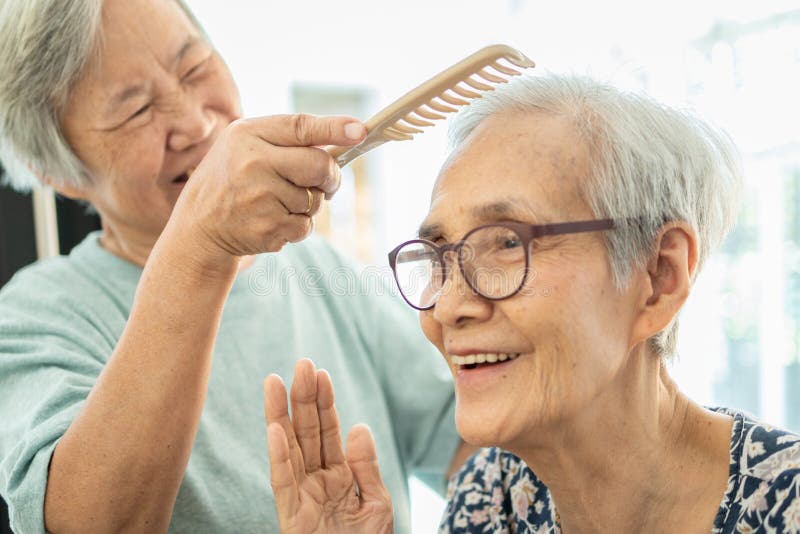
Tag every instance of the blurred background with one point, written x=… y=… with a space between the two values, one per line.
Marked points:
x=737 y=63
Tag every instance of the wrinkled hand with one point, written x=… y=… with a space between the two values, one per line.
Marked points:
x=318 y=488
x=248 y=195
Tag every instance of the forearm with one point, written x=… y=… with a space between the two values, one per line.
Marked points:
x=119 y=465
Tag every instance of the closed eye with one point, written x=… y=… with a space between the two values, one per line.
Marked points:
x=141 y=111
x=436 y=239
x=194 y=70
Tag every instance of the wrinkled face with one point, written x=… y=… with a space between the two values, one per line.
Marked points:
x=567 y=335
x=147 y=112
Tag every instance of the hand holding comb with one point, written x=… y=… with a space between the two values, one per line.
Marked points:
x=437 y=97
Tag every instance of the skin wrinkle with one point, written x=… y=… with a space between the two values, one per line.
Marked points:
x=585 y=385
x=163 y=357
x=130 y=189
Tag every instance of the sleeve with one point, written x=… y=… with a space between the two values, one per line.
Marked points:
x=782 y=502
x=475 y=500
x=50 y=356
x=419 y=390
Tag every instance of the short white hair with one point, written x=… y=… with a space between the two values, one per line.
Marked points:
x=46 y=44
x=648 y=161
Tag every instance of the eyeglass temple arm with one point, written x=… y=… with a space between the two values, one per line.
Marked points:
x=573 y=227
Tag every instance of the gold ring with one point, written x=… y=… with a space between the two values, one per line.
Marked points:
x=310 y=201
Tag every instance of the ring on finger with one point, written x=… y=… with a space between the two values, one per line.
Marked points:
x=310 y=201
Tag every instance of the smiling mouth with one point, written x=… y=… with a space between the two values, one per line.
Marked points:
x=474 y=361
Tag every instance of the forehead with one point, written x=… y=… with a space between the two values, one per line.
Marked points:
x=534 y=162
x=138 y=33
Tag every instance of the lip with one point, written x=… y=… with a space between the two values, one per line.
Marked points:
x=473 y=350
x=484 y=376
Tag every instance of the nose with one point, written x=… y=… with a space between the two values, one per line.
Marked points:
x=458 y=304
x=192 y=123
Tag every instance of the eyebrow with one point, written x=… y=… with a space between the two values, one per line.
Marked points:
x=501 y=210
x=428 y=231
x=135 y=90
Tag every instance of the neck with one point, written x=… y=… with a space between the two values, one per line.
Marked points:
x=136 y=247
x=132 y=247
x=638 y=454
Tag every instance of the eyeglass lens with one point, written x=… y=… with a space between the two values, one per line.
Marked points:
x=492 y=260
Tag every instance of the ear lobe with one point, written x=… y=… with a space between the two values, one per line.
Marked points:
x=69 y=191
x=670 y=276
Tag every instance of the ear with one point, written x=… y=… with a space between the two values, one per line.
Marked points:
x=69 y=191
x=669 y=277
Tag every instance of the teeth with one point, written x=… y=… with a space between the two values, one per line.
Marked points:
x=490 y=357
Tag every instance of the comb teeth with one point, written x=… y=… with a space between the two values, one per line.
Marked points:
x=423 y=111
x=466 y=93
x=454 y=100
x=435 y=99
x=489 y=77
x=499 y=67
x=438 y=106
x=478 y=85
x=394 y=135
x=416 y=121
x=451 y=99
x=404 y=128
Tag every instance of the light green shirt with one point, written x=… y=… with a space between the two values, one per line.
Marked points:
x=60 y=321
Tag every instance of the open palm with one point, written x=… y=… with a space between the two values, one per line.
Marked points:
x=317 y=487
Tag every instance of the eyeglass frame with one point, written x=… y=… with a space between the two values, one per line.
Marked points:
x=527 y=233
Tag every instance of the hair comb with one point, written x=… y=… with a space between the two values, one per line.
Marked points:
x=443 y=94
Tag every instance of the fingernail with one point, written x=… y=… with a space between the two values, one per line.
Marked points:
x=353 y=130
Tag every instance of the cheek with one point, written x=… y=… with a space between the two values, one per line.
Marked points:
x=129 y=169
x=431 y=328
x=129 y=181
x=221 y=94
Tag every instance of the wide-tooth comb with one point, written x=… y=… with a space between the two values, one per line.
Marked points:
x=433 y=100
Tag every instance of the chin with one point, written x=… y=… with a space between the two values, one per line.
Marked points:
x=482 y=427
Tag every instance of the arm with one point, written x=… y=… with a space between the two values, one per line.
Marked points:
x=119 y=465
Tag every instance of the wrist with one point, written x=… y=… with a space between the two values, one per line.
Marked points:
x=190 y=252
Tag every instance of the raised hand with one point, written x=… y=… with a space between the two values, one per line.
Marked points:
x=317 y=486
x=259 y=186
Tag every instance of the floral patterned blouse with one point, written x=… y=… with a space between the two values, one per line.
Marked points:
x=495 y=492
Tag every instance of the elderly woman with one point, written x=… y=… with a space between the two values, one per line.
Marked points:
x=129 y=400
x=564 y=234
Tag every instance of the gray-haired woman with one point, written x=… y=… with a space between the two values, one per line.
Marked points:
x=563 y=237
x=114 y=415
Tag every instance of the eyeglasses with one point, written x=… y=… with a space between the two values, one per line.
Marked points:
x=494 y=260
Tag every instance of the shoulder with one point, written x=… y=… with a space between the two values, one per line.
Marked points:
x=767 y=461
x=316 y=250
x=496 y=490
x=318 y=268
x=66 y=298
x=772 y=504
x=86 y=271
x=314 y=267
x=40 y=285
x=317 y=253
x=765 y=452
